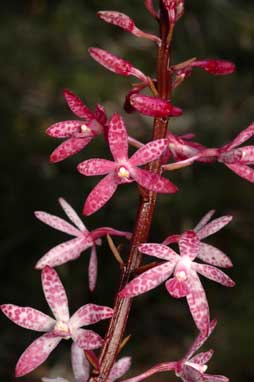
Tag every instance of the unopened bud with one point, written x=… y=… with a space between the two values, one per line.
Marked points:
x=215 y=67
x=116 y=18
x=154 y=106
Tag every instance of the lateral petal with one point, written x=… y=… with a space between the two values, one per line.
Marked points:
x=96 y=166
x=64 y=129
x=36 y=354
x=213 y=227
x=197 y=302
x=214 y=274
x=243 y=171
x=147 y=280
x=57 y=223
x=158 y=250
x=149 y=152
x=64 y=252
x=99 y=196
x=55 y=294
x=212 y=255
x=153 y=182
x=72 y=214
x=204 y=220
x=28 y=318
x=77 y=106
x=68 y=148
x=90 y=314
x=202 y=358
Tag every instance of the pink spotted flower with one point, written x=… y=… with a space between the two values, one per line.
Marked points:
x=123 y=170
x=62 y=326
x=72 y=249
x=81 y=367
x=185 y=281
x=77 y=133
x=191 y=368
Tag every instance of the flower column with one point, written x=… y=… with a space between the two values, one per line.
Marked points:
x=145 y=211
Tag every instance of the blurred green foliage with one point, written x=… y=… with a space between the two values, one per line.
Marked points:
x=44 y=50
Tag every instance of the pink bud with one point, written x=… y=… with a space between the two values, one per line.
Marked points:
x=115 y=64
x=216 y=67
x=116 y=18
x=154 y=106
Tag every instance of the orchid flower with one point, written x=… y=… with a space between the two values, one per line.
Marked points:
x=79 y=133
x=81 y=367
x=72 y=249
x=191 y=368
x=123 y=170
x=203 y=229
x=62 y=326
x=185 y=281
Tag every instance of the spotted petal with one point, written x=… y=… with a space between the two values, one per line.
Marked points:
x=87 y=339
x=214 y=274
x=36 y=354
x=213 y=227
x=189 y=244
x=90 y=314
x=118 y=138
x=211 y=255
x=64 y=129
x=153 y=182
x=57 y=223
x=100 y=194
x=149 y=152
x=119 y=368
x=80 y=365
x=197 y=302
x=77 y=106
x=243 y=171
x=215 y=378
x=148 y=280
x=72 y=215
x=64 y=252
x=55 y=294
x=204 y=220
x=202 y=358
x=69 y=147
x=28 y=318
x=92 y=269
x=191 y=374
x=242 y=137
x=96 y=166
x=159 y=250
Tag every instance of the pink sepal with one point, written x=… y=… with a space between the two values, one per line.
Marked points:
x=154 y=182
x=90 y=314
x=149 y=152
x=214 y=226
x=87 y=339
x=118 y=138
x=243 y=171
x=57 y=223
x=95 y=166
x=171 y=239
x=68 y=148
x=214 y=274
x=77 y=106
x=204 y=220
x=202 y=358
x=214 y=256
x=161 y=367
x=92 y=269
x=36 y=354
x=80 y=365
x=215 y=378
x=119 y=368
x=189 y=244
x=72 y=215
x=158 y=250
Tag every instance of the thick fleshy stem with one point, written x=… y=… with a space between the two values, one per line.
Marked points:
x=144 y=217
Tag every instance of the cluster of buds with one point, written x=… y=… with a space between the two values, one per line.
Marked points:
x=179 y=271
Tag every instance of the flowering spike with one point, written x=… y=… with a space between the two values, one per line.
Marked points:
x=115 y=64
x=154 y=106
x=125 y=22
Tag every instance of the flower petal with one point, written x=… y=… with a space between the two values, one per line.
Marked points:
x=191 y=374
x=55 y=294
x=158 y=250
x=100 y=114
x=204 y=220
x=92 y=269
x=72 y=214
x=214 y=274
x=28 y=318
x=215 y=378
x=77 y=106
x=99 y=196
x=165 y=366
x=119 y=368
x=64 y=129
x=57 y=223
x=200 y=340
x=197 y=302
x=80 y=365
x=102 y=231
x=213 y=227
x=153 y=182
x=211 y=255
x=64 y=252
x=202 y=358
x=87 y=339
x=171 y=239
x=90 y=314
x=96 y=166
x=149 y=152
x=148 y=280
x=177 y=288
x=118 y=138
x=243 y=171
x=189 y=244
x=70 y=147
x=242 y=137
x=36 y=354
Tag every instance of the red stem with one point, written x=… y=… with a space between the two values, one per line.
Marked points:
x=145 y=212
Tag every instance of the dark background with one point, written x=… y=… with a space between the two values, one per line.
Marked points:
x=44 y=50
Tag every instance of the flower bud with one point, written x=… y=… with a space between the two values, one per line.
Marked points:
x=215 y=67
x=116 y=18
x=154 y=106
